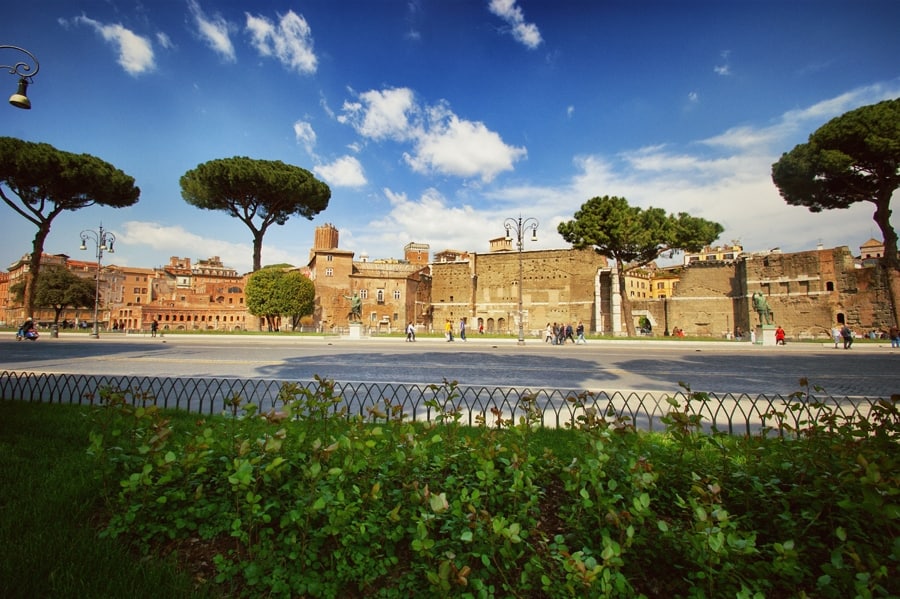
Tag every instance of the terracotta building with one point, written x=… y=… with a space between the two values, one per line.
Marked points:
x=182 y=296
x=393 y=292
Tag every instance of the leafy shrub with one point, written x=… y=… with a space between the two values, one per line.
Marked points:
x=305 y=501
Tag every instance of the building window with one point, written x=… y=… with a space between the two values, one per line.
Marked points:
x=379 y=296
x=329 y=272
x=329 y=258
x=396 y=295
x=829 y=286
x=363 y=294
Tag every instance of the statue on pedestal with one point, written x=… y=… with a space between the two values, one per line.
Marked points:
x=762 y=308
x=355 y=314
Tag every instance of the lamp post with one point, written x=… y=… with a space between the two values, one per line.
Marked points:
x=520 y=225
x=25 y=73
x=104 y=241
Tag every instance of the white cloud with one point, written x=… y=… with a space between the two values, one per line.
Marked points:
x=464 y=149
x=304 y=134
x=524 y=33
x=427 y=219
x=164 y=40
x=290 y=41
x=723 y=69
x=215 y=32
x=135 y=52
x=346 y=171
x=385 y=114
x=442 y=142
x=178 y=241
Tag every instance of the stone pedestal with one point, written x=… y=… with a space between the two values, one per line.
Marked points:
x=356 y=330
x=765 y=334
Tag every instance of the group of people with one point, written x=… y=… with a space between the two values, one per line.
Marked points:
x=559 y=333
x=448 y=330
x=844 y=334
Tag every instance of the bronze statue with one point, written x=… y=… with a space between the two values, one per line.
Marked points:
x=762 y=308
x=355 y=314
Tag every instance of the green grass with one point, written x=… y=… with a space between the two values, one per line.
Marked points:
x=49 y=504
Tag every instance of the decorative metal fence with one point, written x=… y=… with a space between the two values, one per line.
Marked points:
x=731 y=413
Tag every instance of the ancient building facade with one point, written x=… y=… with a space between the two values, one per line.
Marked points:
x=557 y=286
x=393 y=292
x=14 y=312
x=184 y=296
x=809 y=293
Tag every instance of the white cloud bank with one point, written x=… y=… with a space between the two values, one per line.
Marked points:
x=137 y=237
x=441 y=142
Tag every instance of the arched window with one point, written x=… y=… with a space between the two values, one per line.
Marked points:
x=829 y=286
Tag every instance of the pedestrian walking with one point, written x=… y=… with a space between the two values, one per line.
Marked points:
x=847 y=336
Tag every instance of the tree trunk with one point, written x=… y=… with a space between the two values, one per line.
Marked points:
x=890 y=260
x=892 y=279
x=257 y=249
x=626 y=306
x=882 y=218
x=34 y=267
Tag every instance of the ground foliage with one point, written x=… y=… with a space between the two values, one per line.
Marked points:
x=304 y=501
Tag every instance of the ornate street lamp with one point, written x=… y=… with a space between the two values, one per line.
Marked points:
x=520 y=225
x=104 y=240
x=25 y=73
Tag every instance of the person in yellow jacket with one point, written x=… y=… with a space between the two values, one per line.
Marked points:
x=448 y=330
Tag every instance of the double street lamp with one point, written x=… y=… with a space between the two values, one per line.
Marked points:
x=520 y=226
x=104 y=240
x=25 y=72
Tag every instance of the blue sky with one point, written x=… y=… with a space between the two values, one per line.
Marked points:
x=434 y=120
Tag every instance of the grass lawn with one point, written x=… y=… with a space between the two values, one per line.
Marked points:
x=49 y=504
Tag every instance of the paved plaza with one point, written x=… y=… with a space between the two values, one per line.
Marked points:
x=867 y=370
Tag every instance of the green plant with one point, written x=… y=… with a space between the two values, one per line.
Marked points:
x=305 y=501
